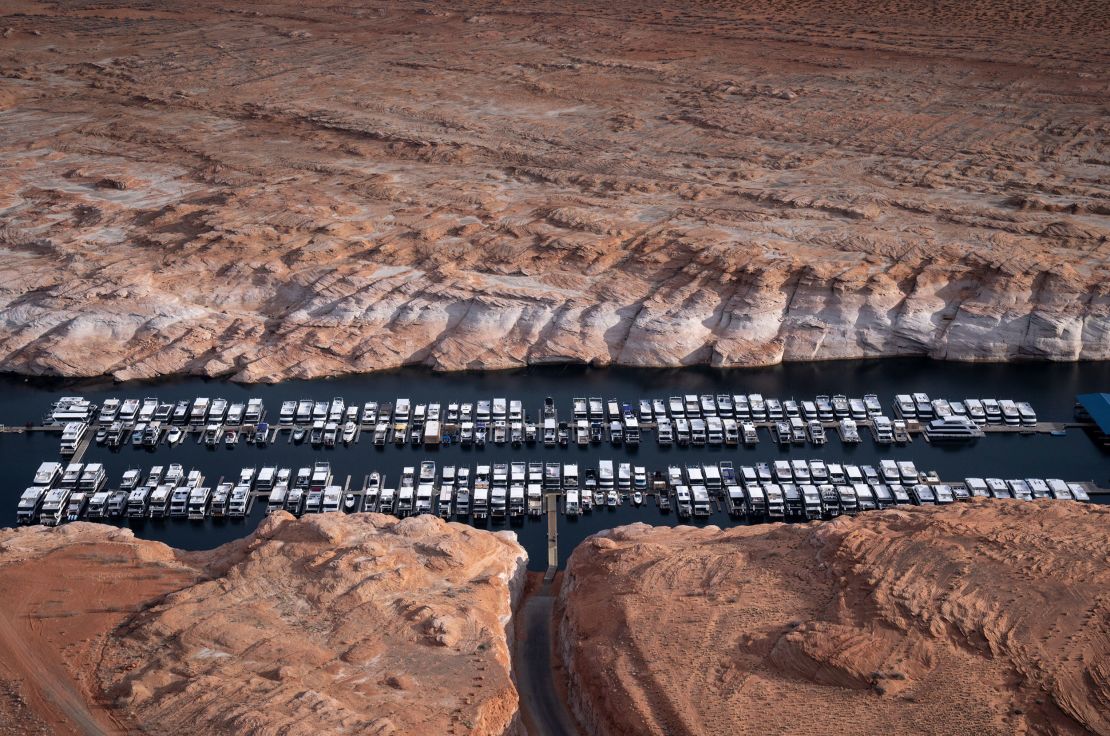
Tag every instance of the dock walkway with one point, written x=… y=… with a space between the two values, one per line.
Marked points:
x=552 y=536
x=82 y=447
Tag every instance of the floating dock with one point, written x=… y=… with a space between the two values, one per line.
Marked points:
x=552 y=535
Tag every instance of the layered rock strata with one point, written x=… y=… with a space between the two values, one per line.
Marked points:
x=979 y=618
x=334 y=624
x=274 y=191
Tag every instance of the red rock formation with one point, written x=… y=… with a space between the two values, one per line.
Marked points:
x=330 y=624
x=276 y=191
x=987 y=618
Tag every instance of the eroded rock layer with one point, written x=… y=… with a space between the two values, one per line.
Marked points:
x=302 y=189
x=334 y=624
x=978 y=618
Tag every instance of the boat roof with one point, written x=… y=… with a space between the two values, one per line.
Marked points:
x=1098 y=406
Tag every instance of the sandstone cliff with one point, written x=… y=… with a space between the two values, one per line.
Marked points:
x=287 y=190
x=974 y=619
x=332 y=624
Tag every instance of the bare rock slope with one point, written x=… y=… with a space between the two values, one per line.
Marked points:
x=335 y=624
x=301 y=189
x=980 y=618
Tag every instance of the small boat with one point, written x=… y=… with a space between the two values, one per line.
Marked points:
x=663 y=494
x=976 y=411
x=299 y=434
x=637 y=497
x=174 y=435
x=350 y=501
x=288 y=412
x=231 y=438
x=349 y=432
x=373 y=488
x=211 y=435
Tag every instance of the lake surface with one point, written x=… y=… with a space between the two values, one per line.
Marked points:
x=1050 y=388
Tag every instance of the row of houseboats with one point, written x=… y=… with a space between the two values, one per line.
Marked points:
x=681 y=420
x=80 y=491
x=648 y=412
x=805 y=489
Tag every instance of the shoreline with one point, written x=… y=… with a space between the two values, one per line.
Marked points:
x=60 y=381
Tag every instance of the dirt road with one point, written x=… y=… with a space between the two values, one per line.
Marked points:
x=46 y=678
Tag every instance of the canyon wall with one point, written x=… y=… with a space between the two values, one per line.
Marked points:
x=269 y=191
x=985 y=618
x=330 y=624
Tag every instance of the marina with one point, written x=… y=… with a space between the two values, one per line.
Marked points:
x=781 y=490
x=599 y=447
x=689 y=420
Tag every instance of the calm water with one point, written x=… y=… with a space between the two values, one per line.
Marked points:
x=1051 y=389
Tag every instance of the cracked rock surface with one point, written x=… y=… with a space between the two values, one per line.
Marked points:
x=987 y=617
x=280 y=190
x=339 y=623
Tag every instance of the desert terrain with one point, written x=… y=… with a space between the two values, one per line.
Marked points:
x=335 y=624
x=982 y=618
x=277 y=190
x=988 y=618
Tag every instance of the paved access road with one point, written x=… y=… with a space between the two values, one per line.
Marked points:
x=546 y=713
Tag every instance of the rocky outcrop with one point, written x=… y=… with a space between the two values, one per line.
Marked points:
x=333 y=624
x=977 y=618
x=284 y=191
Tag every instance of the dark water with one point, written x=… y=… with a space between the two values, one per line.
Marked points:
x=1051 y=389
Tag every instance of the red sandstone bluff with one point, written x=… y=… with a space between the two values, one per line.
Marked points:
x=332 y=624
x=277 y=190
x=981 y=618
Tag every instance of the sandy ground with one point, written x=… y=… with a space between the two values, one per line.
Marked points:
x=60 y=604
x=977 y=618
x=337 y=624
x=275 y=190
